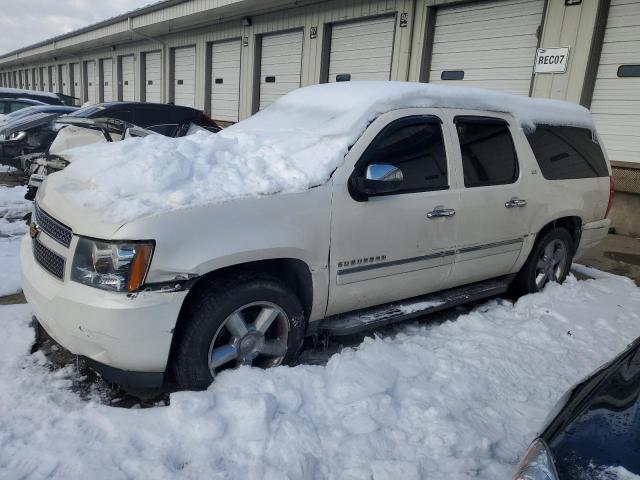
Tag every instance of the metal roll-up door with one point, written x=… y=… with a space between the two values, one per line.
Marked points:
x=487 y=44
x=106 y=77
x=362 y=50
x=92 y=82
x=128 y=78
x=53 y=79
x=153 y=77
x=616 y=96
x=280 y=65
x=184 y=82
x=225 y=80
x=66 y=83
x=74 y=80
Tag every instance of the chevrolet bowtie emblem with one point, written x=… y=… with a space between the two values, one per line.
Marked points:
x=33 y=230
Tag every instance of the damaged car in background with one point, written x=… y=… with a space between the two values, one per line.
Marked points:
x=28 y=131
x=107 y=123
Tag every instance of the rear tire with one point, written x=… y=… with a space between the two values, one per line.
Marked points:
x=549 y=261
x=252 y=320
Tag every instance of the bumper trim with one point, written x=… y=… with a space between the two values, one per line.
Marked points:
x=127 y=379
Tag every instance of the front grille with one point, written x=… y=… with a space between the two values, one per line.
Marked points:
x=56 y=230
x=48 y=259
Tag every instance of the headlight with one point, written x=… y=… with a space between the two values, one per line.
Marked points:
x=116 y=266
x=537 y=464
x=17 y=136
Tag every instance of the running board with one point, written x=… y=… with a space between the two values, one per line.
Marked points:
x=381 y=315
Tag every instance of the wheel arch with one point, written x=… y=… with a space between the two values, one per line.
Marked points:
x=293 y=272
x=571 y=223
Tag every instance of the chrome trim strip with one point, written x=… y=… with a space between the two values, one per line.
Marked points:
x=393 y=263
x=489 y=245
x=445 y=253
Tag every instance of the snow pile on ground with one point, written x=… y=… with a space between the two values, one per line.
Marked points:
x=13 y=207
x=457 y=400
x=293 y=145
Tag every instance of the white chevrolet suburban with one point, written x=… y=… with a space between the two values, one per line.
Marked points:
x=337 y=209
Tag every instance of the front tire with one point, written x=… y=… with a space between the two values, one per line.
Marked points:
x=252 y=321
x=549 y=262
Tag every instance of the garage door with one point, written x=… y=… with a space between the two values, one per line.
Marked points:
x=362 y=50
x=53 y=79
x=225 y=80
x=128 y=78
x=184 y=92
x=64 y=74
x=488 y=44
x=74 y=80
x=106 y=76
x=153 y=77
x=92 y=82
x=616 y=95
x=280 y=65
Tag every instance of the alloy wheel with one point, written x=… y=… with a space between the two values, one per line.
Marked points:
x=552 y=263
x=254 y=334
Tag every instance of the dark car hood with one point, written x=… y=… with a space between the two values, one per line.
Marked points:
x=600 y=424
x=27 y=123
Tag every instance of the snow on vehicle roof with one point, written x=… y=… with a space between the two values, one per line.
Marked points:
x=291 y=146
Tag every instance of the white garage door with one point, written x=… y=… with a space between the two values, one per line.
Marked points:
x=106 y=75
x=53 y=79
x=128 y=78
x=616 y=96
x=64 y=74
x=74 y=80
x=362 y=50
x=280 y=65
x=184 y=85
x=488 y=44
x=225 y=80
x=92 y=82
x=153 y=77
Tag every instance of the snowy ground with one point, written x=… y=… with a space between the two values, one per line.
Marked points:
x=460 y=399
x=13 y=207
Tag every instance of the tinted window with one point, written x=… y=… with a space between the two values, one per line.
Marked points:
x=414 y=145
x=567 y=152
x=488 y=153
x=168 y=130
x=119 y=114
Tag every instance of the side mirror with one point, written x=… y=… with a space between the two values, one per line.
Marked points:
x=379 y=178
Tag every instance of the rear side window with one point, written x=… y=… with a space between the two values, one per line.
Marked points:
x=488 y=153
x=415 y=145
x=567 y=152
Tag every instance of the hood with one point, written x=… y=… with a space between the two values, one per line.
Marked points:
x=599 y=427
x=27 y=123
x=81 y=219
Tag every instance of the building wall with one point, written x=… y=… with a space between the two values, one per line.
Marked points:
x=200 y=22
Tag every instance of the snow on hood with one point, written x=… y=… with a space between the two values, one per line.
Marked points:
x=291 y=146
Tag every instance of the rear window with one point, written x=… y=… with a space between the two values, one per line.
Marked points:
x=567 y=152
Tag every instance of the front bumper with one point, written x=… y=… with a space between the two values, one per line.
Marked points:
x=131 y=333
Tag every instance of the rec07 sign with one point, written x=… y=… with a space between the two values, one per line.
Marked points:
x=551 y=60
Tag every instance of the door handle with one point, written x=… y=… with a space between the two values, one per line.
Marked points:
x=515 y=203
x=439 y=212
